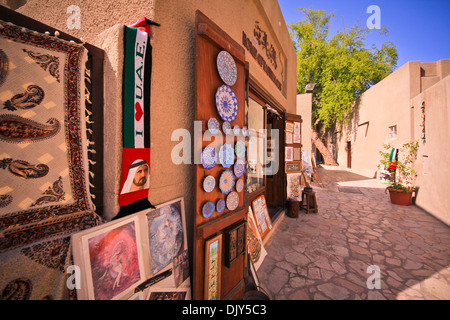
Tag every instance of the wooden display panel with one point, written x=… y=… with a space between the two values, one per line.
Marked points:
x=210 y=40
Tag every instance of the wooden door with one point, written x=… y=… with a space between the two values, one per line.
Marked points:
x=275 y=183
x=210 y=40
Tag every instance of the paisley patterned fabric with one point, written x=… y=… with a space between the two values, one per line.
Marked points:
x=43 y=144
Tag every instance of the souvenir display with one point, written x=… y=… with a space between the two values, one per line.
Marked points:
x=208 y=209
x=239 y=149
x=232 y=200
x=236 y=130
x=227 y=103
x=240 y=185
x=126 y=256
x=226 y=181
x=227 y=68
x=226 y=155
x=213 y=126
x=239 y=168
x=209 y=157
x=220 y=205
x=255 y=246
x=244 y=131
x=226 y=127
x=261 y=214
x=209 y=183
x=293 y=186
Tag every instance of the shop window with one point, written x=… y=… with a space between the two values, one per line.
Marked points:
x=257 y=144
x=393 y=133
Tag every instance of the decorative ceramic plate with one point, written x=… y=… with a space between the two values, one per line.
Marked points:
x=226 y=127
x=213 y=126
x=236 y=130
x=208 y=209
x=220 y=206
x=232 y=200
x=226 y=181
x=227 y=68
x=209 y=183
x=244 y=131
x=239 y=168
x=209 y=157
x=239 y=149
x=226 y=103
x=226 y=155
x=240 y=185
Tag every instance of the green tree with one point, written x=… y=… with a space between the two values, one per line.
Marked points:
x=341 y=66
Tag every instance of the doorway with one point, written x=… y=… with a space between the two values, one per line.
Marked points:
x=348 y=148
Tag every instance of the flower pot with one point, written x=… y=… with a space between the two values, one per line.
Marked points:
x=400 y=197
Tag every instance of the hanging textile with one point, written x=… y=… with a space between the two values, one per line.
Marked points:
x=44 y=178
x=134 y=186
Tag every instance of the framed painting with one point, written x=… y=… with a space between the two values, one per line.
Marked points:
x=293 y=167
x=169 y=294
x=289 y=127
x=261 y=215
x=289 y=154
x=255 y=246
x=111 y=258
x=234 y=242
x=289 y=138
x=213 y=266
x=166 y=234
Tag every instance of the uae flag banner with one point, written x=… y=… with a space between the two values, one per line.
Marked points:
x=134 y=186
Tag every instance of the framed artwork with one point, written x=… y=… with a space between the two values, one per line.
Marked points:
x=297 y=126
x=289 y=137
x=293 y=188
x=297 y=154
x=289 y=127
x=213 y=264
x=112 y=259
x=297 y=138
x=289 y=154
x=166 y=234
x=255 y=247
x=234 y=242
x=181 y=268
x=261 y=215
x=169 y=294
x=253 y=273
x=293 y=167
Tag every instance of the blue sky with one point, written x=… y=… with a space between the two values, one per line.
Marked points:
x=419 y=29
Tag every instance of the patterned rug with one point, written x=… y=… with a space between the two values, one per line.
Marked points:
x=43 y=157
x=44 y=177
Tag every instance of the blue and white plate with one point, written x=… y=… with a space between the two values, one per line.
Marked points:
x=213 y=126
x=226 y=127
x=209 y=157
x=239 y=149
x=239 y=168
x=226 y=103
x=236 y=130
x=240 y=185
x=208 y=209
x=226 y=155
x=226 y=181
x=227 y=68
x=220 y=205
x=232 y=200
x=209 y=183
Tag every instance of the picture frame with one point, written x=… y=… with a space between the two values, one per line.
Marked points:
x=235 y=242
x=169 y=294
x=213 y=268
x=297 y=127
x=111 y=258
x=293 y=167
x=261 y=215
x=289 y=127
x=289 y=154
x=289 y=137
x=296 y=138
x=297 y=154
x=255 y=247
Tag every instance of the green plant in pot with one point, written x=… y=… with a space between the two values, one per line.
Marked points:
x=403 y=186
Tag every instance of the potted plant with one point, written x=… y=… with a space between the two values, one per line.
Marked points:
x=402 y=168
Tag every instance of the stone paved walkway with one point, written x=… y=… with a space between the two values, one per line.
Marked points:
x=326 y=255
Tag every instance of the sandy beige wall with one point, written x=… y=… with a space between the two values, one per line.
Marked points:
x=385 y=104
x=433 y=163
x=304 y=108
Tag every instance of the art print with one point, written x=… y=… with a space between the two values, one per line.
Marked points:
x=289 y=154
x=166 y=235
x=289 y=138
x=112 y=260
x=213 y=262
x=169 y=294
x=289 y=127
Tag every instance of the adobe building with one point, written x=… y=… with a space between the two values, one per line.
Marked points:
x=183 y=76
x=391 y=113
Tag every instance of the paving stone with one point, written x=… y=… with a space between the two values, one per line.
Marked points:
x=333 y=291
